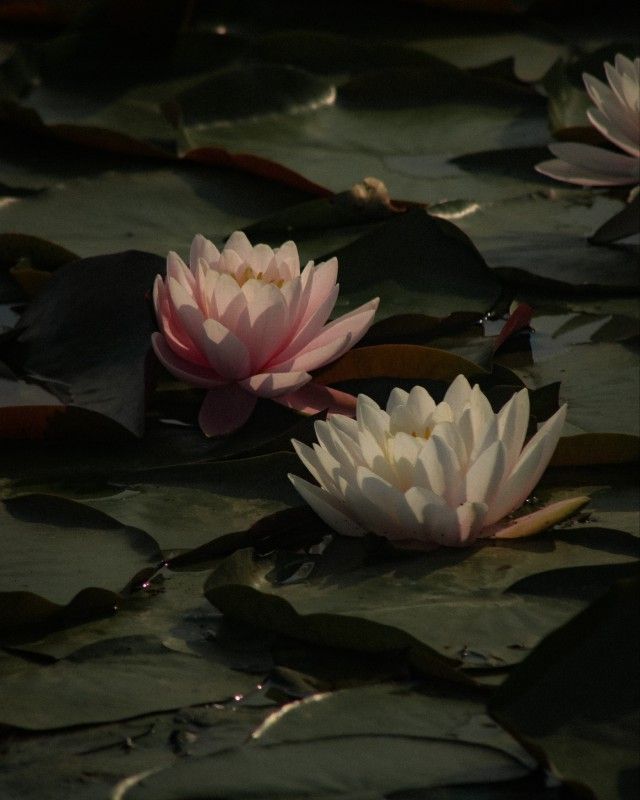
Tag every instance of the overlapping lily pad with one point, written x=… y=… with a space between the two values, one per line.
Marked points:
x=432 y=737
x=189 y=505
x=545 y=243
x=451 y=601
x=114 y=679
x=582 y=722
x=64 y=563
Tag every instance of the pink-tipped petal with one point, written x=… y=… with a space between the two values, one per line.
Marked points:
x=268 y=314
x=179 y=271
x=183 y=370
x=238 y=243
x=273 y=384
x=288 y=260
x=309 y=329
x=309 y=359
x=202 y=248
x=314 y=398
x=226 y=409
x=321 y=282
x=224 y=351
x=354 y=325
x=586 y=165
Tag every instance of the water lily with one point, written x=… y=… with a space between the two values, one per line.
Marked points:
x=246 y=323
x=436 y=474
x=617 y=117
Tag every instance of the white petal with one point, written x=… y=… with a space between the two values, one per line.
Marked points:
x=397 y=399
x=457 y=395
x=513 y=419
x=482 y=420
x=438 y=469
x=327 y=507
x=320 y=463
x=379 y=504
x=589 y=166
x=420 y=404
x=371 y=418
x=470 y=520
x=528 y=469
x=486 y=474
x=342 y=450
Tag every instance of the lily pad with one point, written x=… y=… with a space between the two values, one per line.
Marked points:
x=115 y=679
x=89 y=332
x=453 y=602
x=64 y=563
x=437 y=739
x=545 y=243
x=189 y=505
x=152 y=209
x=416 y=264
x=574 y=705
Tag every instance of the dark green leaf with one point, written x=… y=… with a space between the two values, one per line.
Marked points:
x=449 y=601
x=64 y=563
x=89 y=332
x=435 y=740
x=574 y=702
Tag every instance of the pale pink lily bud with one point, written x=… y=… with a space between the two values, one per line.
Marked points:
x=616 y=116
x=247 y=323
x=435 y=474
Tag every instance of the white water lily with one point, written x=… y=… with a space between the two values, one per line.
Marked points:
x=617 y=117
x=439 y=474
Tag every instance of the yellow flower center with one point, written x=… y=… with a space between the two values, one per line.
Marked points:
x=424 y=435
x=249 y=274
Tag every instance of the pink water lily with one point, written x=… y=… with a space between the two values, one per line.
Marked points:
x=246 y=323
x=430 y=474
x=617 y=117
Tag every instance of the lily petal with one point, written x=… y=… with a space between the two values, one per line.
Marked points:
x=224 y=410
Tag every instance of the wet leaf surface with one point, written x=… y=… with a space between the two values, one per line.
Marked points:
x=582 y=722
x=114 y=679
x=430 y=735
x=65 y=563
x=405 y=143
x=358 y=598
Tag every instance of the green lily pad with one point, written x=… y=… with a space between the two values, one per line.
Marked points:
x=153 y=209
x=189 y=505
x=89 y=331
x=574 y=701
x=600 y=383
x=545 y=243
x=614 y=495
x=451 y=602
x=437 y=740
x=114 y=679
x=65 y=563
x=416 y=264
